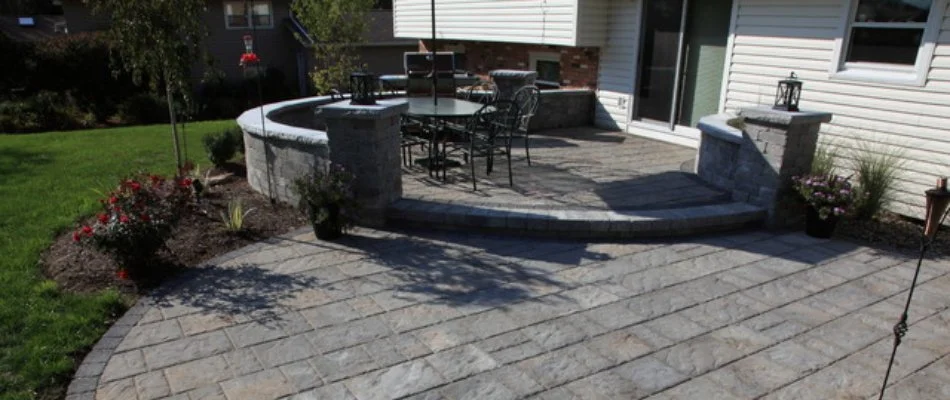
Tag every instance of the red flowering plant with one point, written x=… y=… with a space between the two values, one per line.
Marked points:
x=248 y=59
x=136 y=219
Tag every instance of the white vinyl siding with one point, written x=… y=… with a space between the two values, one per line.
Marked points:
x=551 y=22
x=618 y=61
x=774 y=37
x=592 y=19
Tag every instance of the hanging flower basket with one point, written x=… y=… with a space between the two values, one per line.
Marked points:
x=249 y=59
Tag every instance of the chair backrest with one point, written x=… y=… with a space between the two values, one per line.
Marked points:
x=504 y=118
x=482 y=92
x=528 y=98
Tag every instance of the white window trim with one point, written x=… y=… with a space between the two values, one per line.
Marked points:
x=888 y=74
x=534 y=57
x=250 y=19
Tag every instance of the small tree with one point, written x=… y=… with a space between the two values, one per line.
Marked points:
x=335 y=28
x=158 y=42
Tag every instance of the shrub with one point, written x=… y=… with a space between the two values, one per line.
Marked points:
x=237 y=136
x=824 y=162
x=877 y=168
x=326 y=190
x=44 y=111
x=136 y=219
x=220 y=147
x=829 y=195
x=144 y=108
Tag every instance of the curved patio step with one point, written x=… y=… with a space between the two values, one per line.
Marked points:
x=576 y=223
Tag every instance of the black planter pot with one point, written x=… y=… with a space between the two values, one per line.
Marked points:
x=817 y=227
x=330 y=228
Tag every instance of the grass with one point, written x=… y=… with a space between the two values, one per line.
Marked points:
x=47 y=182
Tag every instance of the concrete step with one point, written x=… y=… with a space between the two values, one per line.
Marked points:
x=576 y=223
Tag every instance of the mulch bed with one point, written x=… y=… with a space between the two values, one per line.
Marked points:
x=893 y=232
x=200 y=236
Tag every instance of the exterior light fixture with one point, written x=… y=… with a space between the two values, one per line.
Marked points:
x=788 y=94
x=362 y=89
x=248 y=44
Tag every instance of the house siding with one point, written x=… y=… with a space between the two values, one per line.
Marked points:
x=774 y=37
x=618 y=61
x=552 y=22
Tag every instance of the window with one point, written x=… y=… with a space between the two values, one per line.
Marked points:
x=236 y=14
x=889 y=40
x=548 y=66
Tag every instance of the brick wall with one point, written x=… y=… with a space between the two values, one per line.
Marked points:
x=578 y=64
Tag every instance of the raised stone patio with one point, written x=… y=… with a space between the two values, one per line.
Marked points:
x=583 y=182
x=456 y=316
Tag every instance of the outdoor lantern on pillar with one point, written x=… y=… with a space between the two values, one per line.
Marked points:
x=788 y=94
x=938 y=199
x=362 y=89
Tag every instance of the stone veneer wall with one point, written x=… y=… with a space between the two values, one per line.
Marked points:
x=578 y=64
x=565 y=108
x=293 y=146
x=757 y=162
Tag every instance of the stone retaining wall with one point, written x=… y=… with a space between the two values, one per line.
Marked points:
x=566 y=108
x=292 y=147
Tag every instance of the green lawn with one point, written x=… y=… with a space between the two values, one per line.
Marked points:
x=47 y=182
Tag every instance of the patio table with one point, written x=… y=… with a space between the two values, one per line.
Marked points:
x=446 y=109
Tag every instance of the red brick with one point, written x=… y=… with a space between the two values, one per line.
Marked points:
x=578 y=64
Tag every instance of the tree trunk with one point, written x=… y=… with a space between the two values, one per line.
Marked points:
x=171 y=117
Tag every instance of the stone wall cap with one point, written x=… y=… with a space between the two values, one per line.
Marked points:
x=512 y=73
x=382 y=109
x=250 y=122
x=718 y=127
x=768 y=115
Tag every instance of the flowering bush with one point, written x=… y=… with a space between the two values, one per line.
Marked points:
x=829 y=195
x=326 y=191
x=137 y=218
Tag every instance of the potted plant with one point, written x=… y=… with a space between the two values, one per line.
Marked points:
x=827 y=198
x=326 y=197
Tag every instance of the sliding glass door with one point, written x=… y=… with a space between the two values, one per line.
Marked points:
x=681 y=61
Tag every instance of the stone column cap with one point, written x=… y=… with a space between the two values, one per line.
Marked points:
x=717 y=126
x=512 y=73
x=778 y=117
x=382 y=109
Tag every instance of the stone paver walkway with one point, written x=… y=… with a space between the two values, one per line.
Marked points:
x=575 y=168
x=390 y=315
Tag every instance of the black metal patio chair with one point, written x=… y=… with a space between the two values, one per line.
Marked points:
x=486 y=135
x=528 y=99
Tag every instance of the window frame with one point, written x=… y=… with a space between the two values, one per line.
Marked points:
x=534 y=57
x=249 y=14
x=893 y=74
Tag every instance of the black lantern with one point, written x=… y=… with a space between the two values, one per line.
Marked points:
x=362 y=89
x=788 y=94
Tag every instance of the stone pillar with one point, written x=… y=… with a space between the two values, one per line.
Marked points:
x=756 y=158
x=365 y=140
x=510 y=80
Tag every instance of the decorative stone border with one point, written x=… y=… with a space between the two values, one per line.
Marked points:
x=86 y=379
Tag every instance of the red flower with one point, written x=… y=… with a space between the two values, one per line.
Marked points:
x=76 y=236
x=249 y=58
x=103 y=218
x=155 y=179
x=185 y=182
x=124 y=219
x=122 y=274
x=135 y=186
x=113 y=200
x=87 y=230
x=145 y=218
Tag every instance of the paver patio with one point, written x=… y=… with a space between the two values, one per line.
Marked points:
x=427 y=316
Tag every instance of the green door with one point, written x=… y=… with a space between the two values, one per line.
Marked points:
x=707 y=32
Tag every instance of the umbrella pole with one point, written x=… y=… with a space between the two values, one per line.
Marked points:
x=435 y=75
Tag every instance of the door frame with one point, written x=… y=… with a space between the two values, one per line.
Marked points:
x=678 y=69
